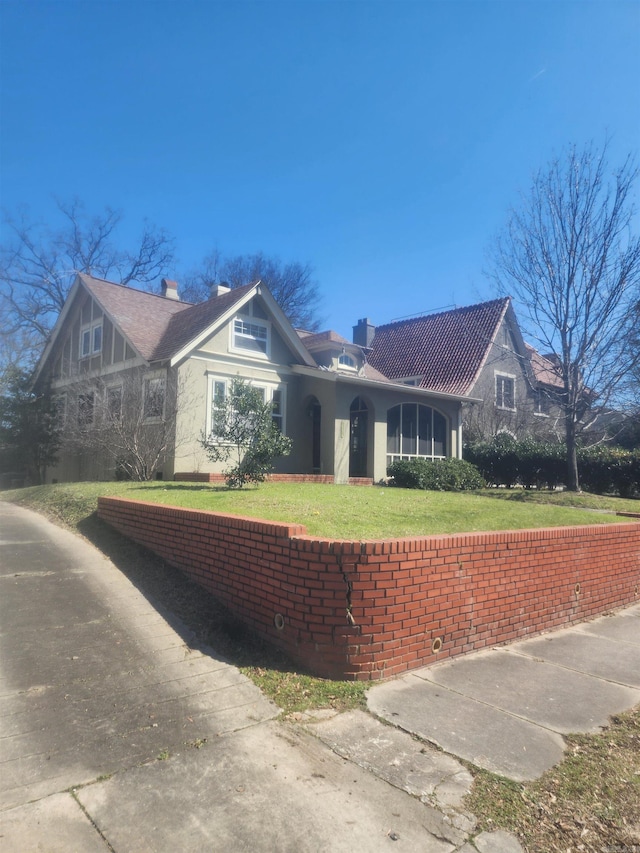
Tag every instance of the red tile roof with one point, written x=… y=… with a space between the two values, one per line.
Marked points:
x=447 y=350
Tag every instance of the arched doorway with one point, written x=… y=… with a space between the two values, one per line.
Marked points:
x=359 y=424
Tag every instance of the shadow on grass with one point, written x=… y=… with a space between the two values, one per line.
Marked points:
x=202 y=621
x=182 y=487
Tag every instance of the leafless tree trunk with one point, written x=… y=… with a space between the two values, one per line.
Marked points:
x=570 y=260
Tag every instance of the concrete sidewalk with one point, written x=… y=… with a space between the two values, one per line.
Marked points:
x=506 y=709
x=119 y=732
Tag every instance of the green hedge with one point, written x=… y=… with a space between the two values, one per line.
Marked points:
x=602 y=470
x=439 y=475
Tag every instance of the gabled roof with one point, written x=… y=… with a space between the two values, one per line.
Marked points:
x=447 y=350
x=544 y=370
x=142 y=317
x=189 y=325
x=160 y=329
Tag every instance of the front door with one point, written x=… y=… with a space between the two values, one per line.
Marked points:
x=359 y=416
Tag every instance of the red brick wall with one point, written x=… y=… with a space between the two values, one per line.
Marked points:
x=369 y=610
x=198 y=477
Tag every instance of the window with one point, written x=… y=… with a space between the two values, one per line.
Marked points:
x=414 y=430
x=540 y=403
x=250 y=335
x=91 y=340
x=114 y=403
x=347 y=361
x=59 y=409
x=154 y=394
x=274 y=394
x=85 y=408
x=278 y=413
x=505 y=391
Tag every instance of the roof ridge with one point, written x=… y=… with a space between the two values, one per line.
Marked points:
x=458 y=310
x=86 y=275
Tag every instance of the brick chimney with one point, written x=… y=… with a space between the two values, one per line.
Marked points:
x=169 y=289
x=364 y=333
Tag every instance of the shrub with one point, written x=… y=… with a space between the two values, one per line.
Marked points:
x=603 y=469
x=245 y=436
x=439 y=475
x=610 y=469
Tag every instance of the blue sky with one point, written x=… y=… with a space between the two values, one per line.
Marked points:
x=381 y=142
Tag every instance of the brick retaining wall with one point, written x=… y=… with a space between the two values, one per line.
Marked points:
x=369 y=610
x=323 y=479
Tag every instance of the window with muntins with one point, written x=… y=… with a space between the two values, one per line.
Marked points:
x=415 y=431
x=347 y=361
x=85 y=409
x=250 y=335
x=114 y=403
x=154 y=397
x=505 y=391
x=274 y=394
x=91 y=340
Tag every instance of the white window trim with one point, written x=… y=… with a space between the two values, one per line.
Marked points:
x=267 y=387
x=245 y=351
x=411 y=380
x=400 y=456
x=91 y=328
x=353 y=367
x=499 y=375
x=151 y=377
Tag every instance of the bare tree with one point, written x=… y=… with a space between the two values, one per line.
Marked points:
x=38 y=264
x=292 y=285
x=128 y=420
x=568 y=256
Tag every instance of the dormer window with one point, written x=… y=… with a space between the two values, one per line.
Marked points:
x=347 y=361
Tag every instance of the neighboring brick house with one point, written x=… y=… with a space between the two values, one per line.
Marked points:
x=115 y=350
x=478 y=352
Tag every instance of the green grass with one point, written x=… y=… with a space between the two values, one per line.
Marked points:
x=587 y=802
x=342 y=512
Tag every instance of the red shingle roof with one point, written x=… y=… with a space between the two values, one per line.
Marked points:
x=156 y=326
x=142 y=317
x=544 y=370
x=447 y=350
x=314 y=340
x=187 y=325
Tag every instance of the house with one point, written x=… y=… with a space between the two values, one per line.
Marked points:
x=121 y=360
x=476 y=352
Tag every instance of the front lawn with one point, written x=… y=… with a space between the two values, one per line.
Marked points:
x=342 y=512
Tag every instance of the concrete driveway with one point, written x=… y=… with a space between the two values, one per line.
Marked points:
x=118 y=733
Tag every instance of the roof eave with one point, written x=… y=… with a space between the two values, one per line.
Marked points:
x=411 y=390
x=282 y=324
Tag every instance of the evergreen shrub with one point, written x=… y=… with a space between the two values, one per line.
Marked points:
x=439 y=475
